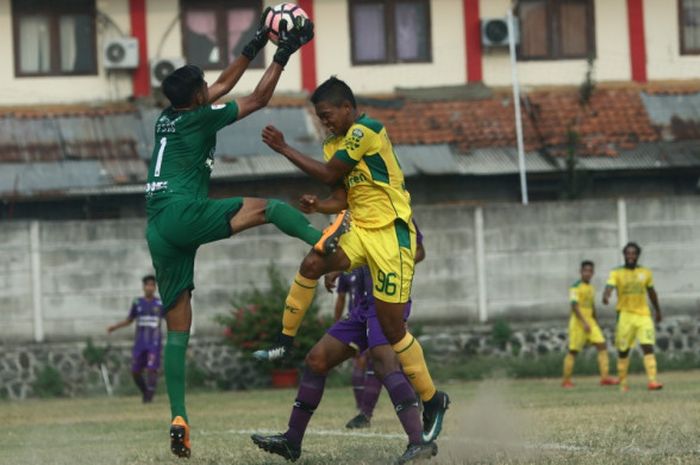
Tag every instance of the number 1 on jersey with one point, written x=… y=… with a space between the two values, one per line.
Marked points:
x=159 y=160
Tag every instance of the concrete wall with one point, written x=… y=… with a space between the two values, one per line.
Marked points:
x=90 y=271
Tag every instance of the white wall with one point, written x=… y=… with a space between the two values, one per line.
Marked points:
x=612 y=47
x=664 y=59
x=37 y=90
x=334 y=56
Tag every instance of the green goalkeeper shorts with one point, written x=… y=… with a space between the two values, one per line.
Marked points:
x=175 y=232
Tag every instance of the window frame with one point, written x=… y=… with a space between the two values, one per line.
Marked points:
x=554 y=52
x=219 y=8
x=683 y=49
x=53 y=11
x=390 y=33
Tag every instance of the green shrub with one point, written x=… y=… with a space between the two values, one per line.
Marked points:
x=256 y=319
x=501 y=333
x=93 y=355
x=48 y=383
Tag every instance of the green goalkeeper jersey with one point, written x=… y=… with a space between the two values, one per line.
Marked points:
x=183 y=155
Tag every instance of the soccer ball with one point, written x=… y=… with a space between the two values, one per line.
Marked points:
x=287 y=11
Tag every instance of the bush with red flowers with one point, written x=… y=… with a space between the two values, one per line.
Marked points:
x=256 y=319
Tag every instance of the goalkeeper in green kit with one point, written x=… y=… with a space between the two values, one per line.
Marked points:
x=181 y=217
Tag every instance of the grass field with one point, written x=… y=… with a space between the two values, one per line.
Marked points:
x=491 y=422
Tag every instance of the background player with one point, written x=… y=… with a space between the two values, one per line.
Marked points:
x=633 y=283
x=360 y=332
x=362 y=169
x=147 y=311
x=181 y=217
x=584 y=327
x=358 y=283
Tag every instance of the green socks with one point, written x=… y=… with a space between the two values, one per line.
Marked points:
x=291 y=221
x=174 y=364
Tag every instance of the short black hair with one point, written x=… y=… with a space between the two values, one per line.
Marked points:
x=335 y=92
x=587 y=263
x=181 y=85
x=147 y=278
x=633 y=245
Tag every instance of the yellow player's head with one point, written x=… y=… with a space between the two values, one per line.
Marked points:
x=335 y=106
x=587 y=271
x=149 y=286
x=631 y=252
x=186 y=88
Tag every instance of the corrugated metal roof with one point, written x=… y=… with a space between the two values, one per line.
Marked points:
x=662 y=108
x=502 y=160
x=426 y=159
x=32 y=178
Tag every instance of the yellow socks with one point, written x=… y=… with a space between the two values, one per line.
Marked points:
x=410 y=354
x=650 y=366
x=568 y=366
x=623 y=365
x=301 y=293
x=603 y=364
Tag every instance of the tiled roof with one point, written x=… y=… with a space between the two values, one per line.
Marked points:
x=614 y=120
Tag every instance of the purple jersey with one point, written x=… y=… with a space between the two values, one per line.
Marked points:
x=147 y=315
x=358 y=283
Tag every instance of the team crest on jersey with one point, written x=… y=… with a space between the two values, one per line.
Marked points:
x=353 y=142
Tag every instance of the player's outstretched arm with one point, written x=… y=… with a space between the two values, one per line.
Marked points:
x=233 y=72
x=329 y=173
x=121 y=324
x=290 y=41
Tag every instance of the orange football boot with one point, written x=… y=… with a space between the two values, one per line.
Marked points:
x=180 y=438
x=609 y=381
x=567 y=384
x=655 y=386
x=331 y=235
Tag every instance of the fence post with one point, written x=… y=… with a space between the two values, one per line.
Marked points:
x=622 y=222
x=482 y=307
x=35 y=251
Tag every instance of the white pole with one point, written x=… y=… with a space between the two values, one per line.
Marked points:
x=516 y=101
x=35 y=252
x=480 y=265
x=622 y=222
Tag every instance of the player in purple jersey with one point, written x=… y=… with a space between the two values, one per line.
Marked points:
x=360 y=331
x=147 y=312
x=358 y=284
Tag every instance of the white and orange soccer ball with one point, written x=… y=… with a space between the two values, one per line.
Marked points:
x=286 y=11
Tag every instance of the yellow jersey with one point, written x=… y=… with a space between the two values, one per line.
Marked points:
x=583 y=294
x=377 y=194
x=632 y=286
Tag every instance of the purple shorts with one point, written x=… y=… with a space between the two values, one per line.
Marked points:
x=145 y=358
x=362 y=334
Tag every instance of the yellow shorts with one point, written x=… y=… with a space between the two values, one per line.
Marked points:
x=631 y=326
x=389 y=253
x=578 y=337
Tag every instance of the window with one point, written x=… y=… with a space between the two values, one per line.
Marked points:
x=54 y=38
x=689 y=19
x=214 y=32
x=390 y=31
x=556 y=29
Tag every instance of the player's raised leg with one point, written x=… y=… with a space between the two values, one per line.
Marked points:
x=324 y=356
x=300 y=296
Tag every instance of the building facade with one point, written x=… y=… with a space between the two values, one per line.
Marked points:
x=56 y=50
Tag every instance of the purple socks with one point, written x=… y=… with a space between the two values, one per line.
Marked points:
x=406 y=405
x=372 y=386
x=308 y=397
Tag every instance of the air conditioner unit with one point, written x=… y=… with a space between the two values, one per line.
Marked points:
x=494 y=32
x=122 y=53
x=161 y=67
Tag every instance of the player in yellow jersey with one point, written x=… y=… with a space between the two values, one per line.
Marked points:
x=633 y=283
x=584 y=328
x=365 y=176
